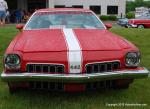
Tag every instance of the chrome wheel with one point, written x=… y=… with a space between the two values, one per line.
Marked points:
x=140 y=26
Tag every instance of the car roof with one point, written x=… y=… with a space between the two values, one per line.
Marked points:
x=64 y=9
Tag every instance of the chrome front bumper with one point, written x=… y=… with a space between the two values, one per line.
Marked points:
x=131 y=26
x=76 y=78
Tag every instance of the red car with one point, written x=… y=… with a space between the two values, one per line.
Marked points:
x=140 y=22
x=69 y=50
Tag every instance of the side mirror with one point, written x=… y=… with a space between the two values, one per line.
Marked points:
x=19 y=27
x=108 y=26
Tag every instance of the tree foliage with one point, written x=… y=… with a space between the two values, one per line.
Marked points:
x=130 y=15
x=131 y=5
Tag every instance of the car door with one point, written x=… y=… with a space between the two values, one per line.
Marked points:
x=148 y=22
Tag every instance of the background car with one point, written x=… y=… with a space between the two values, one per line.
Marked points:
x=123 y=22
x=140 y=22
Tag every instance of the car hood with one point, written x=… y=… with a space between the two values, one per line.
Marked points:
x=48 y=40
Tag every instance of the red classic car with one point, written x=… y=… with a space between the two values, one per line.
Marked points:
x=69 y=50
x=140 y=22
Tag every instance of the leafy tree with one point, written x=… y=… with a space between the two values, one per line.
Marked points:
x=131 y=5
x=130 y=15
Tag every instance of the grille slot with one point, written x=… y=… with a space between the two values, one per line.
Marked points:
x=102 y=67
x=100 y=85
x=60 y=86
x=45 y=68
x=47 y=86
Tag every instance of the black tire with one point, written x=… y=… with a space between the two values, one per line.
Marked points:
x=140 y=26
x=126 y=26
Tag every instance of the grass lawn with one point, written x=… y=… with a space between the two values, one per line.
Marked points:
x=139 y=91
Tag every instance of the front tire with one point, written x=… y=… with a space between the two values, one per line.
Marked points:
x=140 y=26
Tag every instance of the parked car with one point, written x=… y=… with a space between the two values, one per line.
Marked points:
x=140 y=22
x=123 y=22
x=69 y=50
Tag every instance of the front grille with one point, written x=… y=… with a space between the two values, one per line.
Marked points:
x=100 y=85
x=46 y=86
x=60 y=86
x=102 y=67
x=45 y=68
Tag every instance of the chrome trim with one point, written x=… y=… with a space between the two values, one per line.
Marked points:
x=99 y=20
x=46 y=63
x=132 y=25
x=102 y=62
x=76 y=78
x=24 y=28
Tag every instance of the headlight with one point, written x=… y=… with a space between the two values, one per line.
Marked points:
x=132 y=59
x=12 y=61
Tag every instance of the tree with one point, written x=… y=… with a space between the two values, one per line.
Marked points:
x=137 y=3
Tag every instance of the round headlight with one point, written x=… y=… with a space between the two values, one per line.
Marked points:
x=132 y=59
x=12 y=61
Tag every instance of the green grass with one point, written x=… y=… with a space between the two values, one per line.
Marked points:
x=139 y=91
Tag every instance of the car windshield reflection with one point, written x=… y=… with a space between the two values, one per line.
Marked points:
x=54 y=20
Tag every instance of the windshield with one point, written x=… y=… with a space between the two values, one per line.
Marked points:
x=52 y=20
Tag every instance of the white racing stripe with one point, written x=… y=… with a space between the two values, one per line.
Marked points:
x=74 y=51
